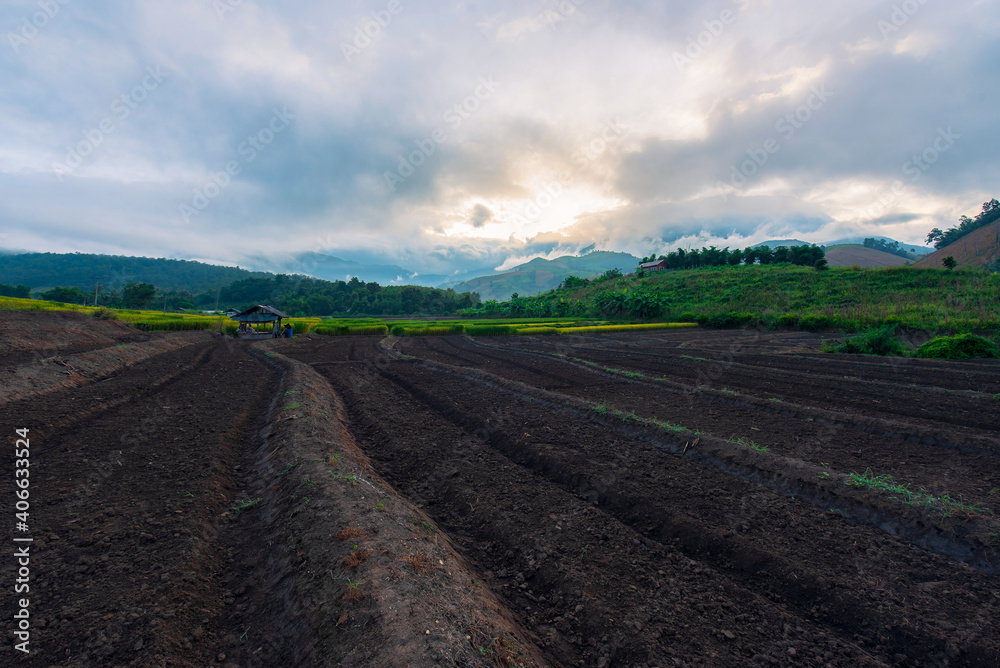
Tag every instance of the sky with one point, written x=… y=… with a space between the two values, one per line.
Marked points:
x=450 y=136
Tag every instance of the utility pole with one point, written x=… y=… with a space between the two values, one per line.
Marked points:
x=97 y=287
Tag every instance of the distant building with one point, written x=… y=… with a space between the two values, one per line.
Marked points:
x=658 y=265
x=231 y=312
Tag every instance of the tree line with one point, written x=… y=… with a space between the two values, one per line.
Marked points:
x=295 y=295
x=892 y=248
x=808 y=256
x=989 y=214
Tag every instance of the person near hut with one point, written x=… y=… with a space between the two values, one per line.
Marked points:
x=288 y=330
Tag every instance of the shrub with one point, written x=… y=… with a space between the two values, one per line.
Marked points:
x=731 y=320
x=875 y=341
x=788 y=320
x=961 y=347
x=104 y=313
x=815 y=323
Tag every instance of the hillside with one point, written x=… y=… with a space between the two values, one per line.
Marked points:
x=979 y=248
x=847 y=255
x=783 y=296
x=540 y=275
x=45 y=270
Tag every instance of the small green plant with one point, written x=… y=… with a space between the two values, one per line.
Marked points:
x=726 y=390
x=670 y=427
x=335 y=459
x=775 y=399
x=837 y=511
x=292 y=392
x=288 y=467
x=244 y=505
x=379 y=506
x=291 y=407
x=189 y=494
x=601 y=408
x=943 y=504
x=747 y=443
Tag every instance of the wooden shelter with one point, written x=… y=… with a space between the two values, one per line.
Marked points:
x=259 y=322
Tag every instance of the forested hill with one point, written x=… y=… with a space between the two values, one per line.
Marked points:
x=82 y=270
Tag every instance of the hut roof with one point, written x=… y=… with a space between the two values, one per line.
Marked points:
x=259 y=313
x=647 y=265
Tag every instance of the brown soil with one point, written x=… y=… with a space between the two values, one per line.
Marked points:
x=527 y=500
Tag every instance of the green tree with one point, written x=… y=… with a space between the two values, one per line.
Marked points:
x=949 y=263
x=138 y=295
x=65 y=295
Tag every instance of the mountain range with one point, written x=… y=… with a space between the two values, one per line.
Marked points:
x=45 y=270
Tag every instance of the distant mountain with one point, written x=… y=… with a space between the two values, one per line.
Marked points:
x=979 y=248
x=332 y=268
x=540 y=275
x=909 y=248
x=45 y=270
x=774 y=243
x=848 y=255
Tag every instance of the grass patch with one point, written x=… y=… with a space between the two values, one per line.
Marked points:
x=943 y=504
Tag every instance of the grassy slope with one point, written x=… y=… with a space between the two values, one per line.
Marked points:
x=846 y=255
x=979 y=248
x=929 y=299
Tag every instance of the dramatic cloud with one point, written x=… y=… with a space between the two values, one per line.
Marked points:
x=460 y=136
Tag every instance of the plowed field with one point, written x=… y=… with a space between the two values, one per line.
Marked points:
x=657 y=499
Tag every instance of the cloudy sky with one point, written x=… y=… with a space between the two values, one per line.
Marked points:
x=452 y=135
